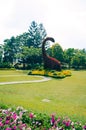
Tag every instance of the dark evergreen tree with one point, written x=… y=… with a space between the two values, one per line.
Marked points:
x=1 y=53
x=9 y=50
x=36 y=34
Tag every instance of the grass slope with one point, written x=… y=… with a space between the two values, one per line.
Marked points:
x=66 y=96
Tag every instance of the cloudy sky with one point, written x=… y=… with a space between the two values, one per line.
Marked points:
x=65 y=20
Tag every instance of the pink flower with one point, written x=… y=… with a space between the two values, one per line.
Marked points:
x=8 y=129
x=14 y=116
x=67 y=123
x=84 y=127
x=8 y=117
x=1 y=124
x=7 y=121
x=52 y=119
x=59 y=119
x=22 y=126
x=0 y=119
x=14 y=127
x=31 y=115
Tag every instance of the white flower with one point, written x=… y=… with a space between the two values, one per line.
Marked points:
x=57 y=128
x=29 y=128
x=73 y=129
x=9 y=109
x=72 y=123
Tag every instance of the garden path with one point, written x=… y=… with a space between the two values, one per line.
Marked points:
x=20 y=82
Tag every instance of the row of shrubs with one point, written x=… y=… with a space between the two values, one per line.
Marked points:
x=5 y=65
x=51 y=73
x=21 y=119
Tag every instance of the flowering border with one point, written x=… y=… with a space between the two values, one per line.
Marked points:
x=21 y=119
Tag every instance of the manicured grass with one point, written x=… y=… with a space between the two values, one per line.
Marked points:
x=10 y=72
x=13 y=75
x=67 y=97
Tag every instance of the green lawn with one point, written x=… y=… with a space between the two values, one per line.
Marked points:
x=67 y=97
x=9 y=76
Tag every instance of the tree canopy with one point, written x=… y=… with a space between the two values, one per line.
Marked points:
x=36 y=34
x=25 y=49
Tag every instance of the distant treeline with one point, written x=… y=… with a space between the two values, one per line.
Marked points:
x=24 y=51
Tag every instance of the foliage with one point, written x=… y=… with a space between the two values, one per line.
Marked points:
x=30 y=57
x=1 y=53
x=22 y=40
x=70 y=58
x=52 y=73
x=17 y=49
x=75 y=58
x=57 y=52
x=68 y=54
x=79 y=60
x=9 y=50
x=21 y=119
x=36 y=34
x=5 y=65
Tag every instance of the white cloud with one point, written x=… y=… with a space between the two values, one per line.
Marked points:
x=6 y=12
x=65 y=20
x=68 y=22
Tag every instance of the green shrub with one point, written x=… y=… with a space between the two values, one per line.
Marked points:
x=5 y=65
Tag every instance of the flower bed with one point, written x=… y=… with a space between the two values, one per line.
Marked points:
x=52 y=73
x=21 y=119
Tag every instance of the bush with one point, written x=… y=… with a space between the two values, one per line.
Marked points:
x=5 y=65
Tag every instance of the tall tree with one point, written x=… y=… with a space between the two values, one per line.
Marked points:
x=21 y=44
x=68 y=55
x=57 y=52
x=9 y=50
x=79 y=59
x=29 y=57
x=1 y=53
x=22 y=39
x=36 y=34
